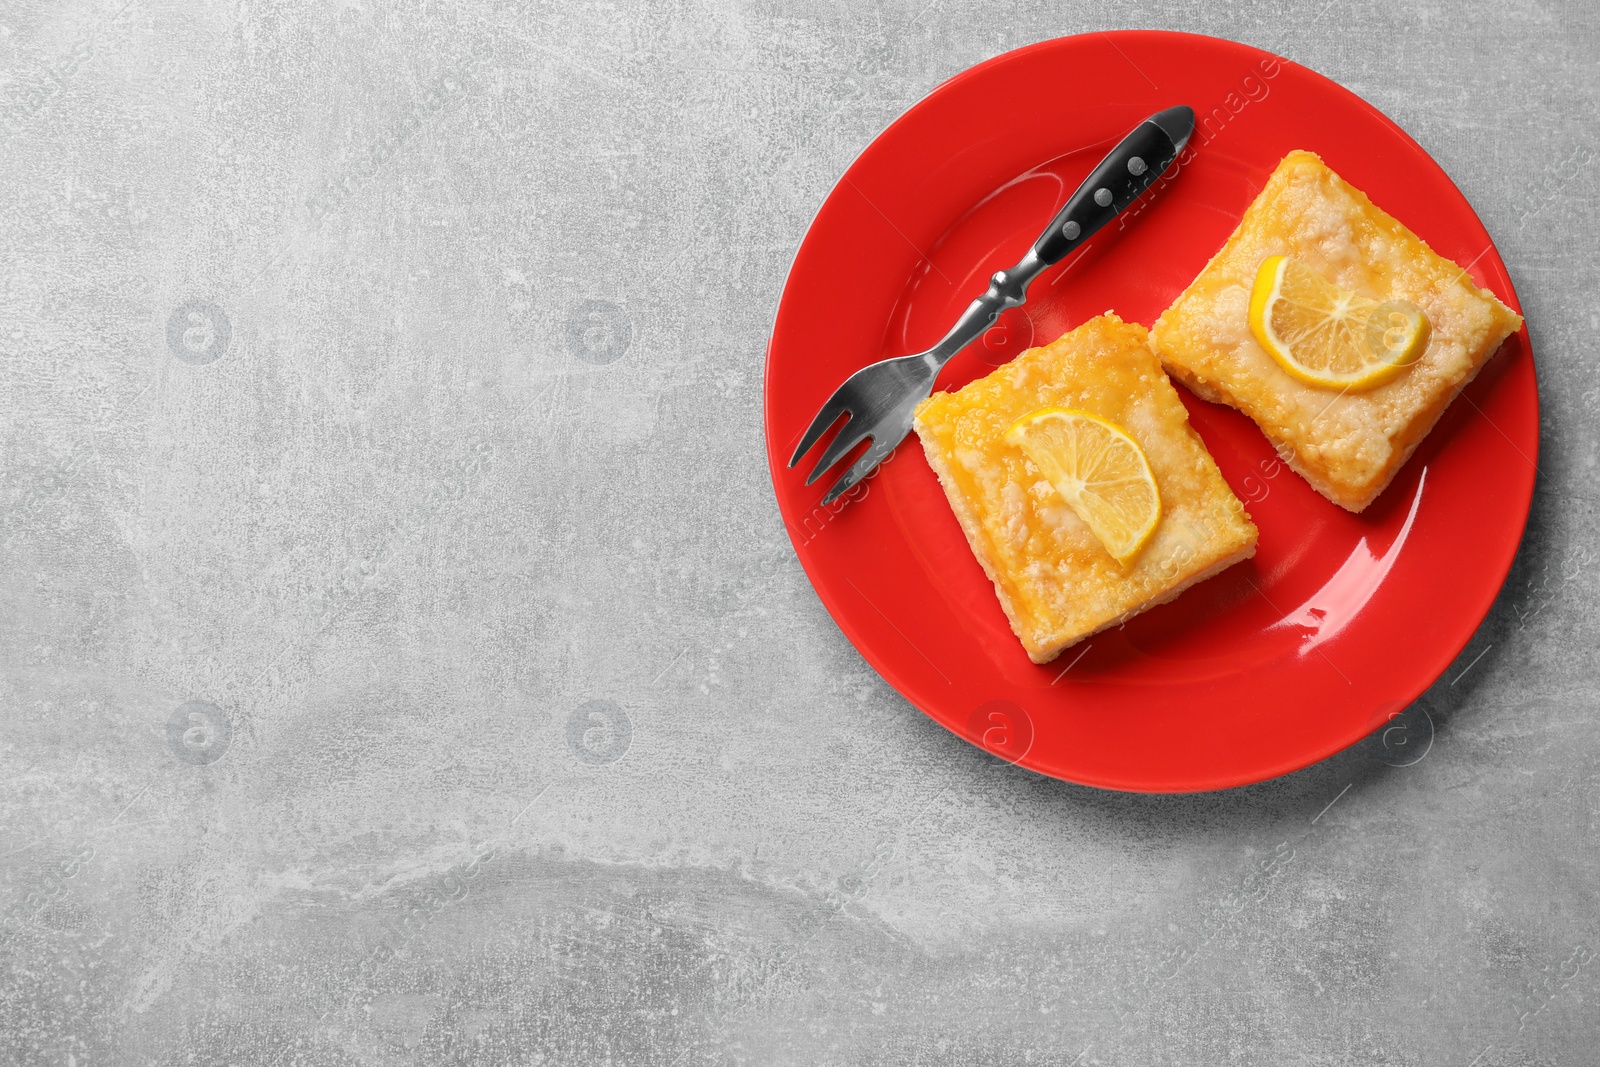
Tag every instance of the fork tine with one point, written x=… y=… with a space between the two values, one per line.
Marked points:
x=873 y=456
x=831 y=409
x=852 y=433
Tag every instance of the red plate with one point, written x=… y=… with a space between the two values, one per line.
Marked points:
x=1338 y=623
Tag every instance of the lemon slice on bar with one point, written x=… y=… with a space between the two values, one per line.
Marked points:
x=1328 y=336
x=1100 y=472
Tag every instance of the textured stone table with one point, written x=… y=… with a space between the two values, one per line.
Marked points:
x=404 y=661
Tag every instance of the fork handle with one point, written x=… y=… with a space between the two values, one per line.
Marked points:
x=1137 y=161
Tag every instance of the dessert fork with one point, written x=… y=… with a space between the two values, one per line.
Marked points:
x=877 y=400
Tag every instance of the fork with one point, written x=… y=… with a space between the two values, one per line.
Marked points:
x=877 y=400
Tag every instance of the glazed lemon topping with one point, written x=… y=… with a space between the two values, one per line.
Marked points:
x=1100 y=472
x=1328 y=336
x=1054 y=575
x=1347 y=442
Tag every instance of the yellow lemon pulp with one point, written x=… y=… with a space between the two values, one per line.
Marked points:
x=1100 y=472
x=1328 y=336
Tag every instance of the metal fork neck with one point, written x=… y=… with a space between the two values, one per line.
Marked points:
x=1010 y=287
x=1007 y=289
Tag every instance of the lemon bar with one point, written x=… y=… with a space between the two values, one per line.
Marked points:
x=1347 y=443
x=1056 y=581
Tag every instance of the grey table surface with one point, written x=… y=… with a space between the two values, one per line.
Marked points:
x=404 y=661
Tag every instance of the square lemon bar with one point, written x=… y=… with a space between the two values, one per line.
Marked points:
x=1347 y=443
x=1056 y=581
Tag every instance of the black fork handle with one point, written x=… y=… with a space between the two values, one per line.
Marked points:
x=1131 y=168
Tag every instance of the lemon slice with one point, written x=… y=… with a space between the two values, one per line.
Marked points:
x=1328 y=336
x=1100 y=472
